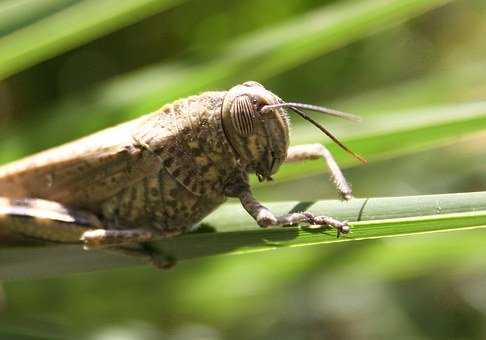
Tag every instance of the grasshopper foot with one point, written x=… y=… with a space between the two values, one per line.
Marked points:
x=342 y=227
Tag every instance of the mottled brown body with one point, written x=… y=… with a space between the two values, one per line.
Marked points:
x=166 y=170
x=160 y=174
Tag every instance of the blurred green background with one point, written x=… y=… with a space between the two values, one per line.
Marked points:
x=414 y=69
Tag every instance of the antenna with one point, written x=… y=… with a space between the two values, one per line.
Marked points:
x=315 y=108
x=296 y=108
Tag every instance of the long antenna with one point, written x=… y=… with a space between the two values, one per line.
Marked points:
x=319 y=126
x=315 y=108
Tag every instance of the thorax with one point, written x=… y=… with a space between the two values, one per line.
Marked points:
x=196 y=163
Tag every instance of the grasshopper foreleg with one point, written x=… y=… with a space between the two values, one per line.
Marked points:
x=315 y=151
x=265 y=218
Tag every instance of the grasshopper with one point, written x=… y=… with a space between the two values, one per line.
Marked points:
x=160 y=174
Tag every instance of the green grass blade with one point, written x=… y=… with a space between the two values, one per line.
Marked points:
x=17 y=13
x=238 y=234
x=460 y=83
x=72 y=26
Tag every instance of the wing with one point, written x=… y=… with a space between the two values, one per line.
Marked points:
x=82 y=173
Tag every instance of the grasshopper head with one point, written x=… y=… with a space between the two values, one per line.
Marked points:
x=259 y=137
x=257 y=126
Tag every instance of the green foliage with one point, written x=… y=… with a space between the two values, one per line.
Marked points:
x=413 y=69
x=257 y=55
x=48 y=34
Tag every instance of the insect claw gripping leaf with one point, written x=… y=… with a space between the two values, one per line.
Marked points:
x=161 y=174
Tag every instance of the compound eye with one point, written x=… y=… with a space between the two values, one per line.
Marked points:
x=243 y=115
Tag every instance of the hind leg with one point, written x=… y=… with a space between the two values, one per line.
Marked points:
x=50 y=221
x=44 y=220
x=109 y=238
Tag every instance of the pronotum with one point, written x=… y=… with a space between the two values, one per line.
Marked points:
x=160 y=174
